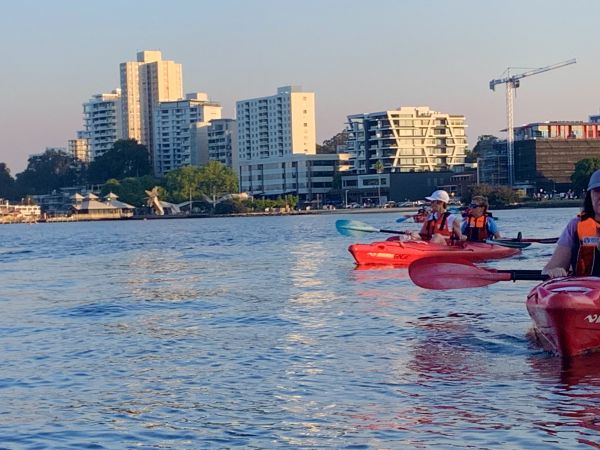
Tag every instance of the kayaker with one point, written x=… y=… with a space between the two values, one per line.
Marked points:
x=438 y=226
x=478 y=224
x=577 y=248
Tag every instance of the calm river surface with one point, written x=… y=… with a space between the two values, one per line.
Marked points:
x=259 y=333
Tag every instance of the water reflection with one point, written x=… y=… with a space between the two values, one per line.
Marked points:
x=573 y=400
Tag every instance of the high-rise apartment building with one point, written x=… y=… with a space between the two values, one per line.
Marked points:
x=102 y=120
x=277 y=146
x=181 y=132
x=408 y=139
x=79 y=148
x=277 y=126
x=145 y=83
x=222 y=142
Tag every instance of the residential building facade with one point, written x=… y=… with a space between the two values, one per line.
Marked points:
x=102 y=121
x=277 y=146
x=181 y=137
x=408 y=139
x=79 y=148
x=222 y=142
x=144 y=84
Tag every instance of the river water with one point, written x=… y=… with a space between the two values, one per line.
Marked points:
x=258 y=332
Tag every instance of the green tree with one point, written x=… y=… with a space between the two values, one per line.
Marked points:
x=7 y=183
x=130 y=190
x=496 y=195
x=46 y=172
x=216 y=181
x=126 y=159
x=583 y=172
x=484 y=143
x=183 y=184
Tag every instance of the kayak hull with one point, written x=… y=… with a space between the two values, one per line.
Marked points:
x=566 y=315
x=402 y=253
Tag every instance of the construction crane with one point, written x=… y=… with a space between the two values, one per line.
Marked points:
x=512 y=82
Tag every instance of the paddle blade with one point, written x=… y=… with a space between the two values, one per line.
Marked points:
x=403 y=219
x=452 y=273
x=508 y=243
x=353 y=227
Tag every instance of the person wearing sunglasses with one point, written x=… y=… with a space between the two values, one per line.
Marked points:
x=577 y=250
x=478 y=224
x=439 y=224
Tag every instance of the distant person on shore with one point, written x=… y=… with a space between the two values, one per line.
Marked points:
x=577 y=250
x=439 y=224
x=478 y=224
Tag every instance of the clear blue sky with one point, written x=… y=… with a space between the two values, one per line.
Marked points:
x=356 y=56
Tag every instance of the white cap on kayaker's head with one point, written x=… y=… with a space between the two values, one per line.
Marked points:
x=594 y=181
x=440 y=195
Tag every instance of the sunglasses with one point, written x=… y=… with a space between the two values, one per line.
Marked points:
x=473 y=205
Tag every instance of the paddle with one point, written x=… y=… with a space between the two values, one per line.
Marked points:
x=356 y=228
x=508 y=243
x=402 y=219
x=520 y=238
x=447 y=272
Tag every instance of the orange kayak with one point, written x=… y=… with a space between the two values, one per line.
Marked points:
x=402 y=253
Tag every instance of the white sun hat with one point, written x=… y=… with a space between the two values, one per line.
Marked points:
x=440 y=195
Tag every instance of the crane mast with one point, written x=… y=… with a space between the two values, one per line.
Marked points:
x=512 y=82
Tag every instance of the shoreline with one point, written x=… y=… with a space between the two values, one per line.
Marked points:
x=405 y=210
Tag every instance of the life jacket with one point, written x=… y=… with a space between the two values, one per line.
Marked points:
x=437 y=226
x=476 y=228
x=588 y=256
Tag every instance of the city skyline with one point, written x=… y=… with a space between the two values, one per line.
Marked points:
x=355 y=58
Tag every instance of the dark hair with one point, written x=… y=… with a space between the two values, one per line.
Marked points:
x=588 y=207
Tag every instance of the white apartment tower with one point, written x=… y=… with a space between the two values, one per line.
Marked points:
x=102 y=120
x=145 y=83
x=408 y=139
x=181 y=132
x=277 y=126
x=277 y=146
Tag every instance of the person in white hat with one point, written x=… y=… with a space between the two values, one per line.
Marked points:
x=438 y=226
x=577 y=248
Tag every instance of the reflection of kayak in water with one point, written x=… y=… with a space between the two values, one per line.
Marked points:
x=402 y=253
x=566 y=314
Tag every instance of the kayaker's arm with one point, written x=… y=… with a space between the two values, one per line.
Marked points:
x=559 y=262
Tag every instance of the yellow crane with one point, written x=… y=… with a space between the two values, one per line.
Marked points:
x=513 y=82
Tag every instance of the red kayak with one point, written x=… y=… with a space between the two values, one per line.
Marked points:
x=402 y=253
x=566 y=313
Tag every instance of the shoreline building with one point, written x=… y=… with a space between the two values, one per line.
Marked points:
x=222 y=142
x=545 y=154
x=181 y=132
x=277 y=146
x=79 y=148
x=383 y=145
x=102 y=121
x=144 y=84
x=408 y=139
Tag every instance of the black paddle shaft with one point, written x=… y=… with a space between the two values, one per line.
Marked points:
x=535 y=275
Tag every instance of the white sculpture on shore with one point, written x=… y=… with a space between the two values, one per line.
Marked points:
x=153 y=201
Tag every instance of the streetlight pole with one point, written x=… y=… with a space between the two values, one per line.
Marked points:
x=346 y=195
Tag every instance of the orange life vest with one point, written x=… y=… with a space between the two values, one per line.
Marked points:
x=588 y=233
x=477 y=228
x=437 y=226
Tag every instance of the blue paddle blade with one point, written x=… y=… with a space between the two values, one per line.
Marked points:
x=402 y=219
x=353 y=228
